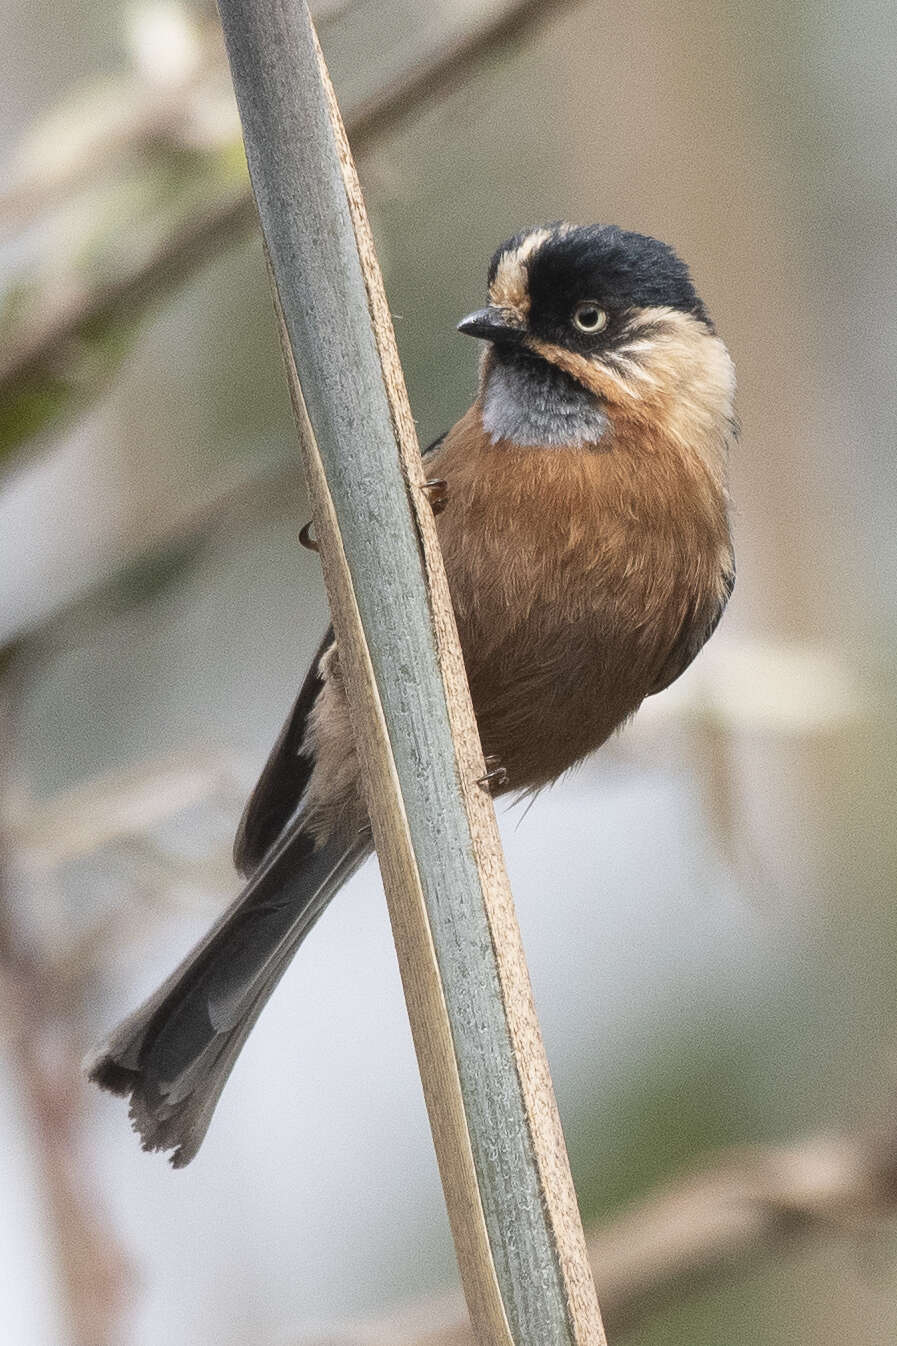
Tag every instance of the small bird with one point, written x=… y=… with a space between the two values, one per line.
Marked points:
x=586 y=538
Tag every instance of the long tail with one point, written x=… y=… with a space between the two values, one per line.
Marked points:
x=172 y=1056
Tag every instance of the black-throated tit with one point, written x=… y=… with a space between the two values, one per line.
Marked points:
x=586 y=540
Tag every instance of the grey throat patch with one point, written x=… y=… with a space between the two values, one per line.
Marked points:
x=533 y=403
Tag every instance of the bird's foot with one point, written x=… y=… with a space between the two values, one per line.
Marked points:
x=306 y=538
x=436 y=491
x=496 y=774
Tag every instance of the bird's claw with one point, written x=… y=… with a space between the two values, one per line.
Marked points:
x=436 y=491
x=496 y=774
x=306 y=538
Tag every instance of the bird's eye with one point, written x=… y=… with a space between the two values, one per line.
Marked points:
x=588 y=317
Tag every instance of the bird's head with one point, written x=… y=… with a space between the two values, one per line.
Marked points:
x=586 y=325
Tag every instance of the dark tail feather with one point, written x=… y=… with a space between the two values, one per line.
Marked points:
x=172 y=1056
x=284 y=778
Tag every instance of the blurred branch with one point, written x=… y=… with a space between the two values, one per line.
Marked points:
x=124 y=807
x=118 y=805
x=451 y=58
x=35 y=380
x=154 y=111
x=143 y=113
x=38 y=1020
x=748 y=1204
x=702 y=1230
x=178 y=93
x=195 y=241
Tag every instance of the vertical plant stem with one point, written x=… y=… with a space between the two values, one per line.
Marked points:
x=40 y=1017
x=492 y=1111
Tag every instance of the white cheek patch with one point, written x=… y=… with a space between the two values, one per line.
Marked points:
x=539 y=408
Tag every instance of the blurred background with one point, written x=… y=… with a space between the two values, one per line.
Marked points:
x=708 y=907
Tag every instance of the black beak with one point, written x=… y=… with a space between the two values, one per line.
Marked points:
x=493 y=324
